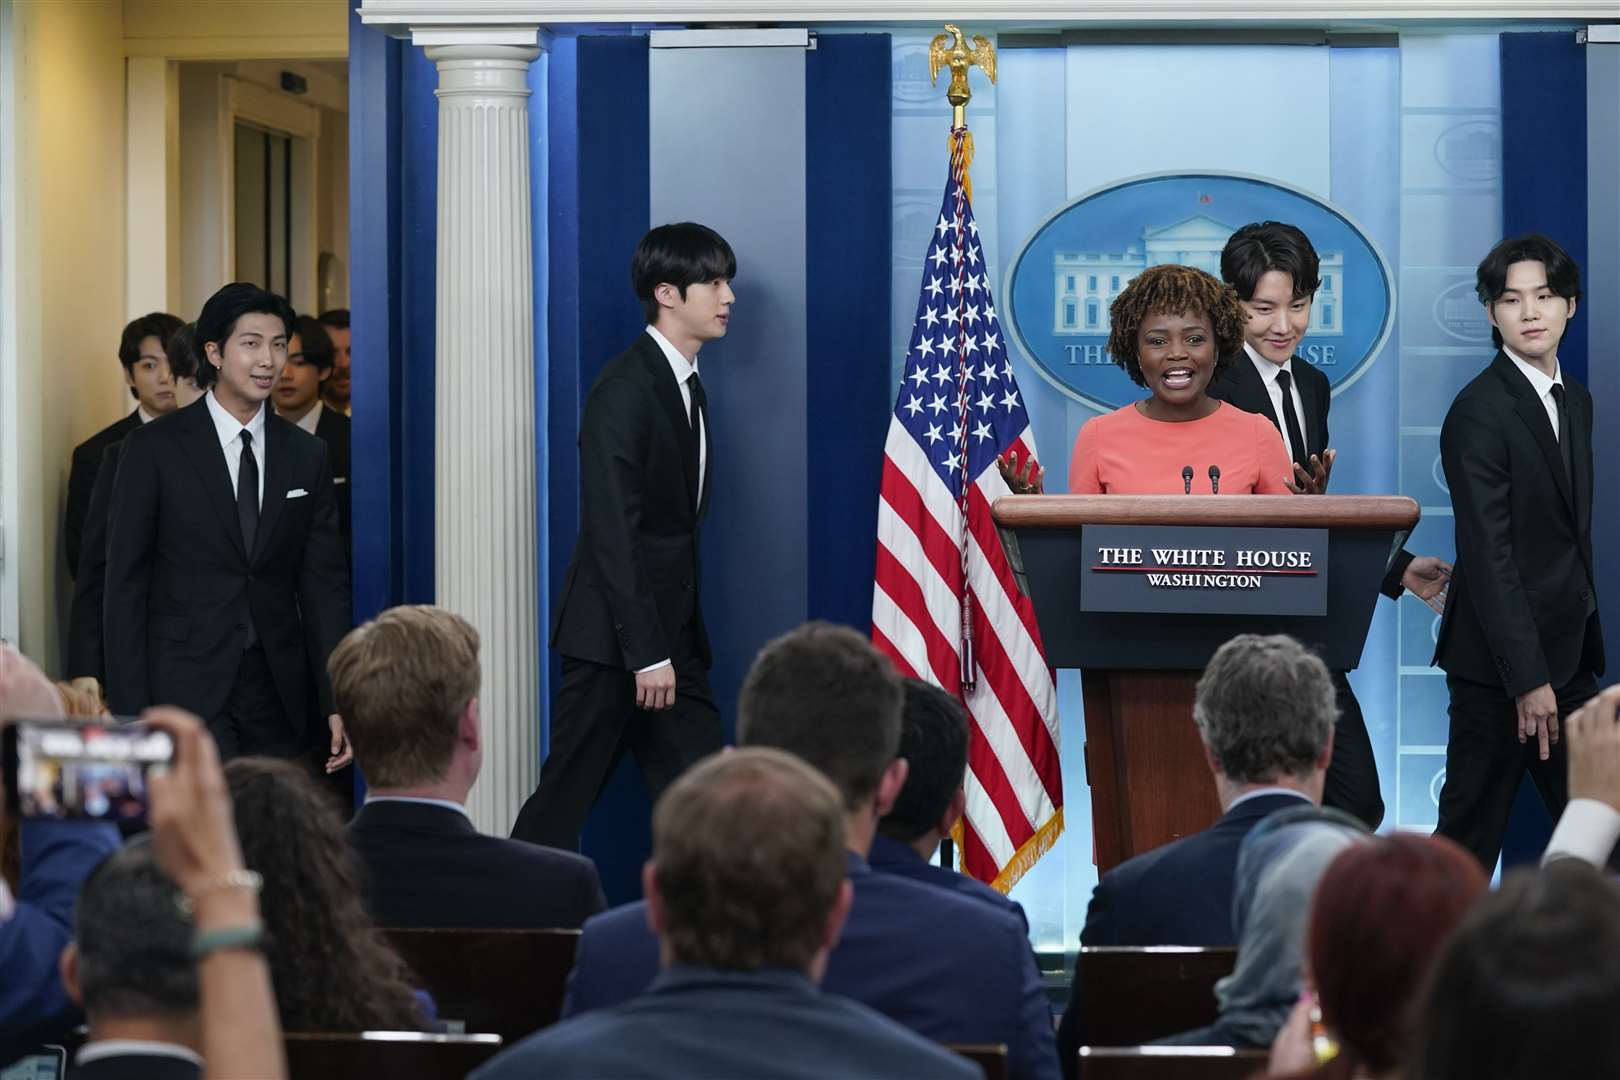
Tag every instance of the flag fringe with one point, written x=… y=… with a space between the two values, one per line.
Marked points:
x=1031 y=851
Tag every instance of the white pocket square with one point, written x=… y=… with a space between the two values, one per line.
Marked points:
x=297 y=493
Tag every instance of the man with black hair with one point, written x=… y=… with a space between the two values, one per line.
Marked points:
x=1276 y=272
x=311 y=364
x=335 y=390
x=130 y=967
x=629 y=628
x=141 y=351
x=227 y=586
x=934 y=743
x=948 y=966
x=1521 y=642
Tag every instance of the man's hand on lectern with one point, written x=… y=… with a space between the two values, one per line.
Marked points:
x=1426 y=578
x=1030 y=480
x=1313 y=481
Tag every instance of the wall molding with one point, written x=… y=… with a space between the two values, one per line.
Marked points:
x=399 y=17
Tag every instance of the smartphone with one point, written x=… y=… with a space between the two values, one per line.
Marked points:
x=45 y=1063
x=88 y=771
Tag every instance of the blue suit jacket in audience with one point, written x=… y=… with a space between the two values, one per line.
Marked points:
x=1178 y=894
x=428 y=866
x=56 y=858
x=951 y=968
x=893 y=857
x=699 y=1022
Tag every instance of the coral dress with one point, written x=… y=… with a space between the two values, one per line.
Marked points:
x=1125 y=453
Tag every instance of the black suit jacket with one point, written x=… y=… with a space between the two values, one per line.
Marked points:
x=1178 y=894
x=1240 y=385
x=136 y=1067
x=82 y=480
x=427 y=866
x=333 y=429
x=85 y=657
x=181 y=588
x=1522 y=608
x=633 y=581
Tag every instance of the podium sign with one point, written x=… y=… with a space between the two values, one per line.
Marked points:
x=1168 y=569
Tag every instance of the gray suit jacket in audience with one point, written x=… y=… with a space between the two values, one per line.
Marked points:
x=702 y=1022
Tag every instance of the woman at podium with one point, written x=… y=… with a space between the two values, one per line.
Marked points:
x=1174 y=329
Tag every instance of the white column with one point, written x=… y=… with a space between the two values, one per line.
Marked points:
x=486 y=552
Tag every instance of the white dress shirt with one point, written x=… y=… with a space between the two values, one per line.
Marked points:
x=1587 y=830
x=684 y=369
x=1542 y=383
x=1268 y=375
x=310 y=420
x=443 y=804
x=106 y=1048
x=146 y=417
x=1260 y=793
x=230 y=441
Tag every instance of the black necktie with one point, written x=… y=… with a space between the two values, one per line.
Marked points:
x=1564 y=441
x=699 y=418
x=247 y=492
x=1291 y=421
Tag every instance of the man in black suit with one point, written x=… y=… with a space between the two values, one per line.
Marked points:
x=85 y=667
x=297 y=399
x=1264 y=708
x=130 y=966
x=1275 y=272
x=141 y=351
x=226 y=583
x=934 y=742
x=635 y=653
x=335 y=390
x=406 y=684
x=1521 y=642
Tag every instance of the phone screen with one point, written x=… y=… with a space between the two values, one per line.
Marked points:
x=95 y=771
x=46 y=1063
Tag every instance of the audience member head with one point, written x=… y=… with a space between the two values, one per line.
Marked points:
x=1275 y=272
x=1180 y=312
x=241 y=340
x=1527 y=987
x=181 y=349
x=146 y=364
x=335 y=390
x=309 y=363
x=682 y=276
x=1378 y=918
x=1530 y=288
x=406 y=684
x=748 y=870
x=824 y=694
x=129 y=965
x=1265 y=709
x=934 y=744
x=331 y=968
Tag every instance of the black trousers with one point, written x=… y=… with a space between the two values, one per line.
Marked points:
x=596 y=722
x=253 y=721
x=1486 y=763
x=1352 y=777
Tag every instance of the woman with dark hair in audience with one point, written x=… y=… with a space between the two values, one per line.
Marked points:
x=1528 y=988
x=333 y=971
x=1174 y=328
x=1379 y=915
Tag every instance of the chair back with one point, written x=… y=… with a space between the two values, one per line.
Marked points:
x=397 y=1055
x=510 y=982
x=991 y=1057
x=1170 y=1063
x=1131 y=996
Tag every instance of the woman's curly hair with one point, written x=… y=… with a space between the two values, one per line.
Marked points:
x=331 y=967
x=1173 y=289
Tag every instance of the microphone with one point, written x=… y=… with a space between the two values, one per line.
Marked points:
x=1214 y=479
x=1186 y=479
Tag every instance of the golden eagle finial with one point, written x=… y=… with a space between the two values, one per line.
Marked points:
x=950 y=50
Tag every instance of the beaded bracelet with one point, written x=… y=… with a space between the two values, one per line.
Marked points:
x=234 y=879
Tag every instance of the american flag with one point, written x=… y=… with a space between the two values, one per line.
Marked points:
x=946 y=607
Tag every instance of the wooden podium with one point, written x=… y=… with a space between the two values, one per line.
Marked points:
x=1144 y=760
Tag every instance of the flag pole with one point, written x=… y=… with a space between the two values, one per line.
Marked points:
x=950 y=50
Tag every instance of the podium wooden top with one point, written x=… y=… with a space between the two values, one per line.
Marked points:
x=1370 y=512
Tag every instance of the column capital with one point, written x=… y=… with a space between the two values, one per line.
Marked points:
x=436 y=23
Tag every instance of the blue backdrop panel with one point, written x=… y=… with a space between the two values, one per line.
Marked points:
x=847 y=222
x=1544 y=155
x=599 y=182
x=1544 y=177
